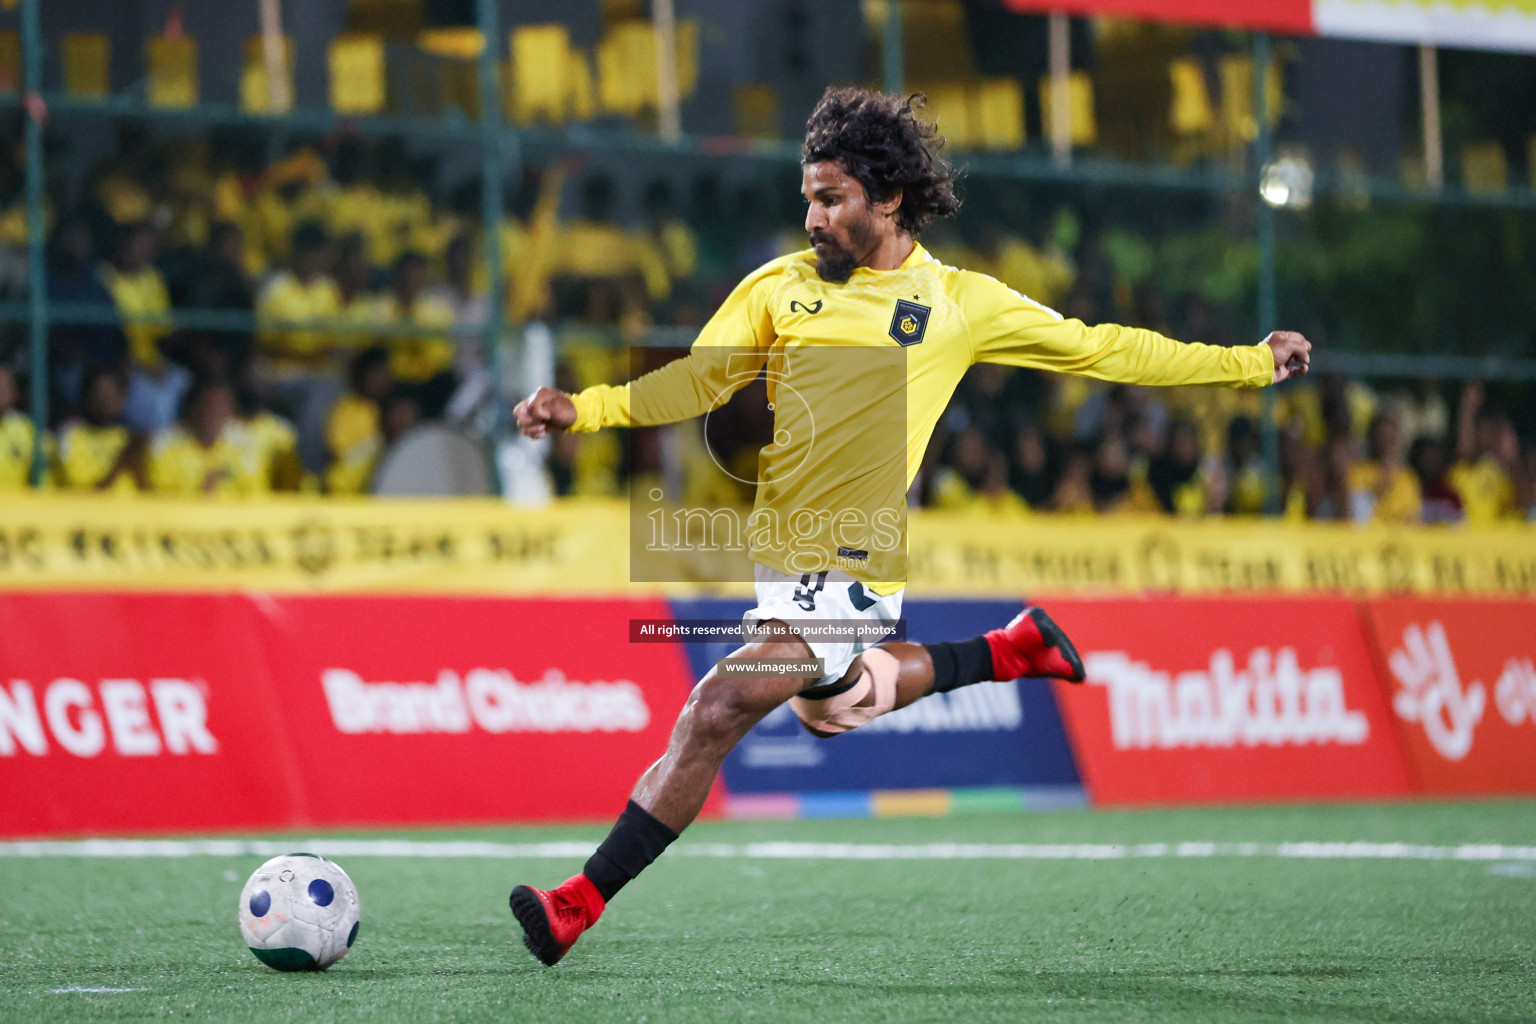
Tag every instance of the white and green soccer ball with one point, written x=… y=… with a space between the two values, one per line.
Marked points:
x=299 y=912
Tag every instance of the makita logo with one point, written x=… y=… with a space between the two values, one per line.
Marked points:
x=1273 y=702
x=168 y=716
x=491 y=699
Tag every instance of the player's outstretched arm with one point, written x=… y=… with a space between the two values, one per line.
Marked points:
x=728 y=353
x=1010 y=329
x=545 y=410
x=1293 y=354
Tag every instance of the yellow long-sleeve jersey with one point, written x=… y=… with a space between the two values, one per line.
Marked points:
x=850 y=365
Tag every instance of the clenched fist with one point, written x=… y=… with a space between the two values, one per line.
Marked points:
x=1293 y=354
x=545 y=410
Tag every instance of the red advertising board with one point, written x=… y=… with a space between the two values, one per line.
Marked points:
x=1460 y=678
x=470 y=709
x=137 y=712
x=1221 y=700
x=152 y=713
x=1294 y=16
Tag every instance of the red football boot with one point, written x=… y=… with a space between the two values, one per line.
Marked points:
x=553 y=919
x=1033 y=647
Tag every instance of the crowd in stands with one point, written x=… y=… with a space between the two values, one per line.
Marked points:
x=338 y=305
x=1345 y=453
x=223 y=327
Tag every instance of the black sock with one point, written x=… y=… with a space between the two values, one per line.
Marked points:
x=961 y=664
x=636 y=840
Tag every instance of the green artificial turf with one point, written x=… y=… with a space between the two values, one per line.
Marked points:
x=731 y=938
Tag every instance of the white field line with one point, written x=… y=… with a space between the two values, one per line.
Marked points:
x=85 y=988
x=455 y=849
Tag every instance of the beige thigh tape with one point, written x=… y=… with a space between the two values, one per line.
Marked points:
x=843 y=712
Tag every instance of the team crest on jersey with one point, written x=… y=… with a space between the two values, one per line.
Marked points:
x=909 y=322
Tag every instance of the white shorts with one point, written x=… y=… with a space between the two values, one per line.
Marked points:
x=827 y=597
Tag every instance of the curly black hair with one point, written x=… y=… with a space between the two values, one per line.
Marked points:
x=881 y=143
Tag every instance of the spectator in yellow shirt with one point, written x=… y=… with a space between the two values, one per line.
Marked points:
x=354 y=277
x=297 y=315
x=1112 y=485
x=1525 y=486
x=292 y=305
x=140 y=294
x=268 y=443
x=355 y=433
x=1382 y=487
x=1441 y=503
x=467 y=301
x=593 y=245
x=219 y=281
x=1242 y=484
x=16 y=436
x=355 y=204
x=1175 y=476
x=97 y=451
x=597 y=264
x=75 y=279
x=155 y=385
x=1042 y=273
x=291 y=192
x=198 y=455
x=422 y=360
x=962 y=476
x=1486 y=450
x=1074 y=494
x=666 y=248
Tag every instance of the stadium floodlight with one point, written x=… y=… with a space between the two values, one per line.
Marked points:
x=1287 y=181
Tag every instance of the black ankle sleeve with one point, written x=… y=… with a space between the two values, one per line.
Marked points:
x=636 y=840
x=960 y=664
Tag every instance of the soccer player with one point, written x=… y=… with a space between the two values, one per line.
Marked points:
x=872 y=179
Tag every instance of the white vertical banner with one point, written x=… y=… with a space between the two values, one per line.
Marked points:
x=1466 y=24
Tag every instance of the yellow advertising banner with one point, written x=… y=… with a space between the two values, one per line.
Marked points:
x=976 y=554
x=582 y=547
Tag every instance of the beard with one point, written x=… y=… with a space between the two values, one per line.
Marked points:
x=837 y=264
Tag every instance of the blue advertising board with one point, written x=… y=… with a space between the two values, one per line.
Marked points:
x=988 y=735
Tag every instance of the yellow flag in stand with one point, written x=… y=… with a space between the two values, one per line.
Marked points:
x=949 y=105
x=10 y=62
x=457 y=68
x=1085 y=128
x=357 y=74
x=87 y=64
x=583 y=91
x=540 y=72
x=455 y=43
x=172 y=71
x=1236 y=73
x=1484 y=167
x=626 y=65
x=1190 y=112
x=757 y=111
x=626 y=68
x=255 y=94
x=998 y=113
x=687 y=53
